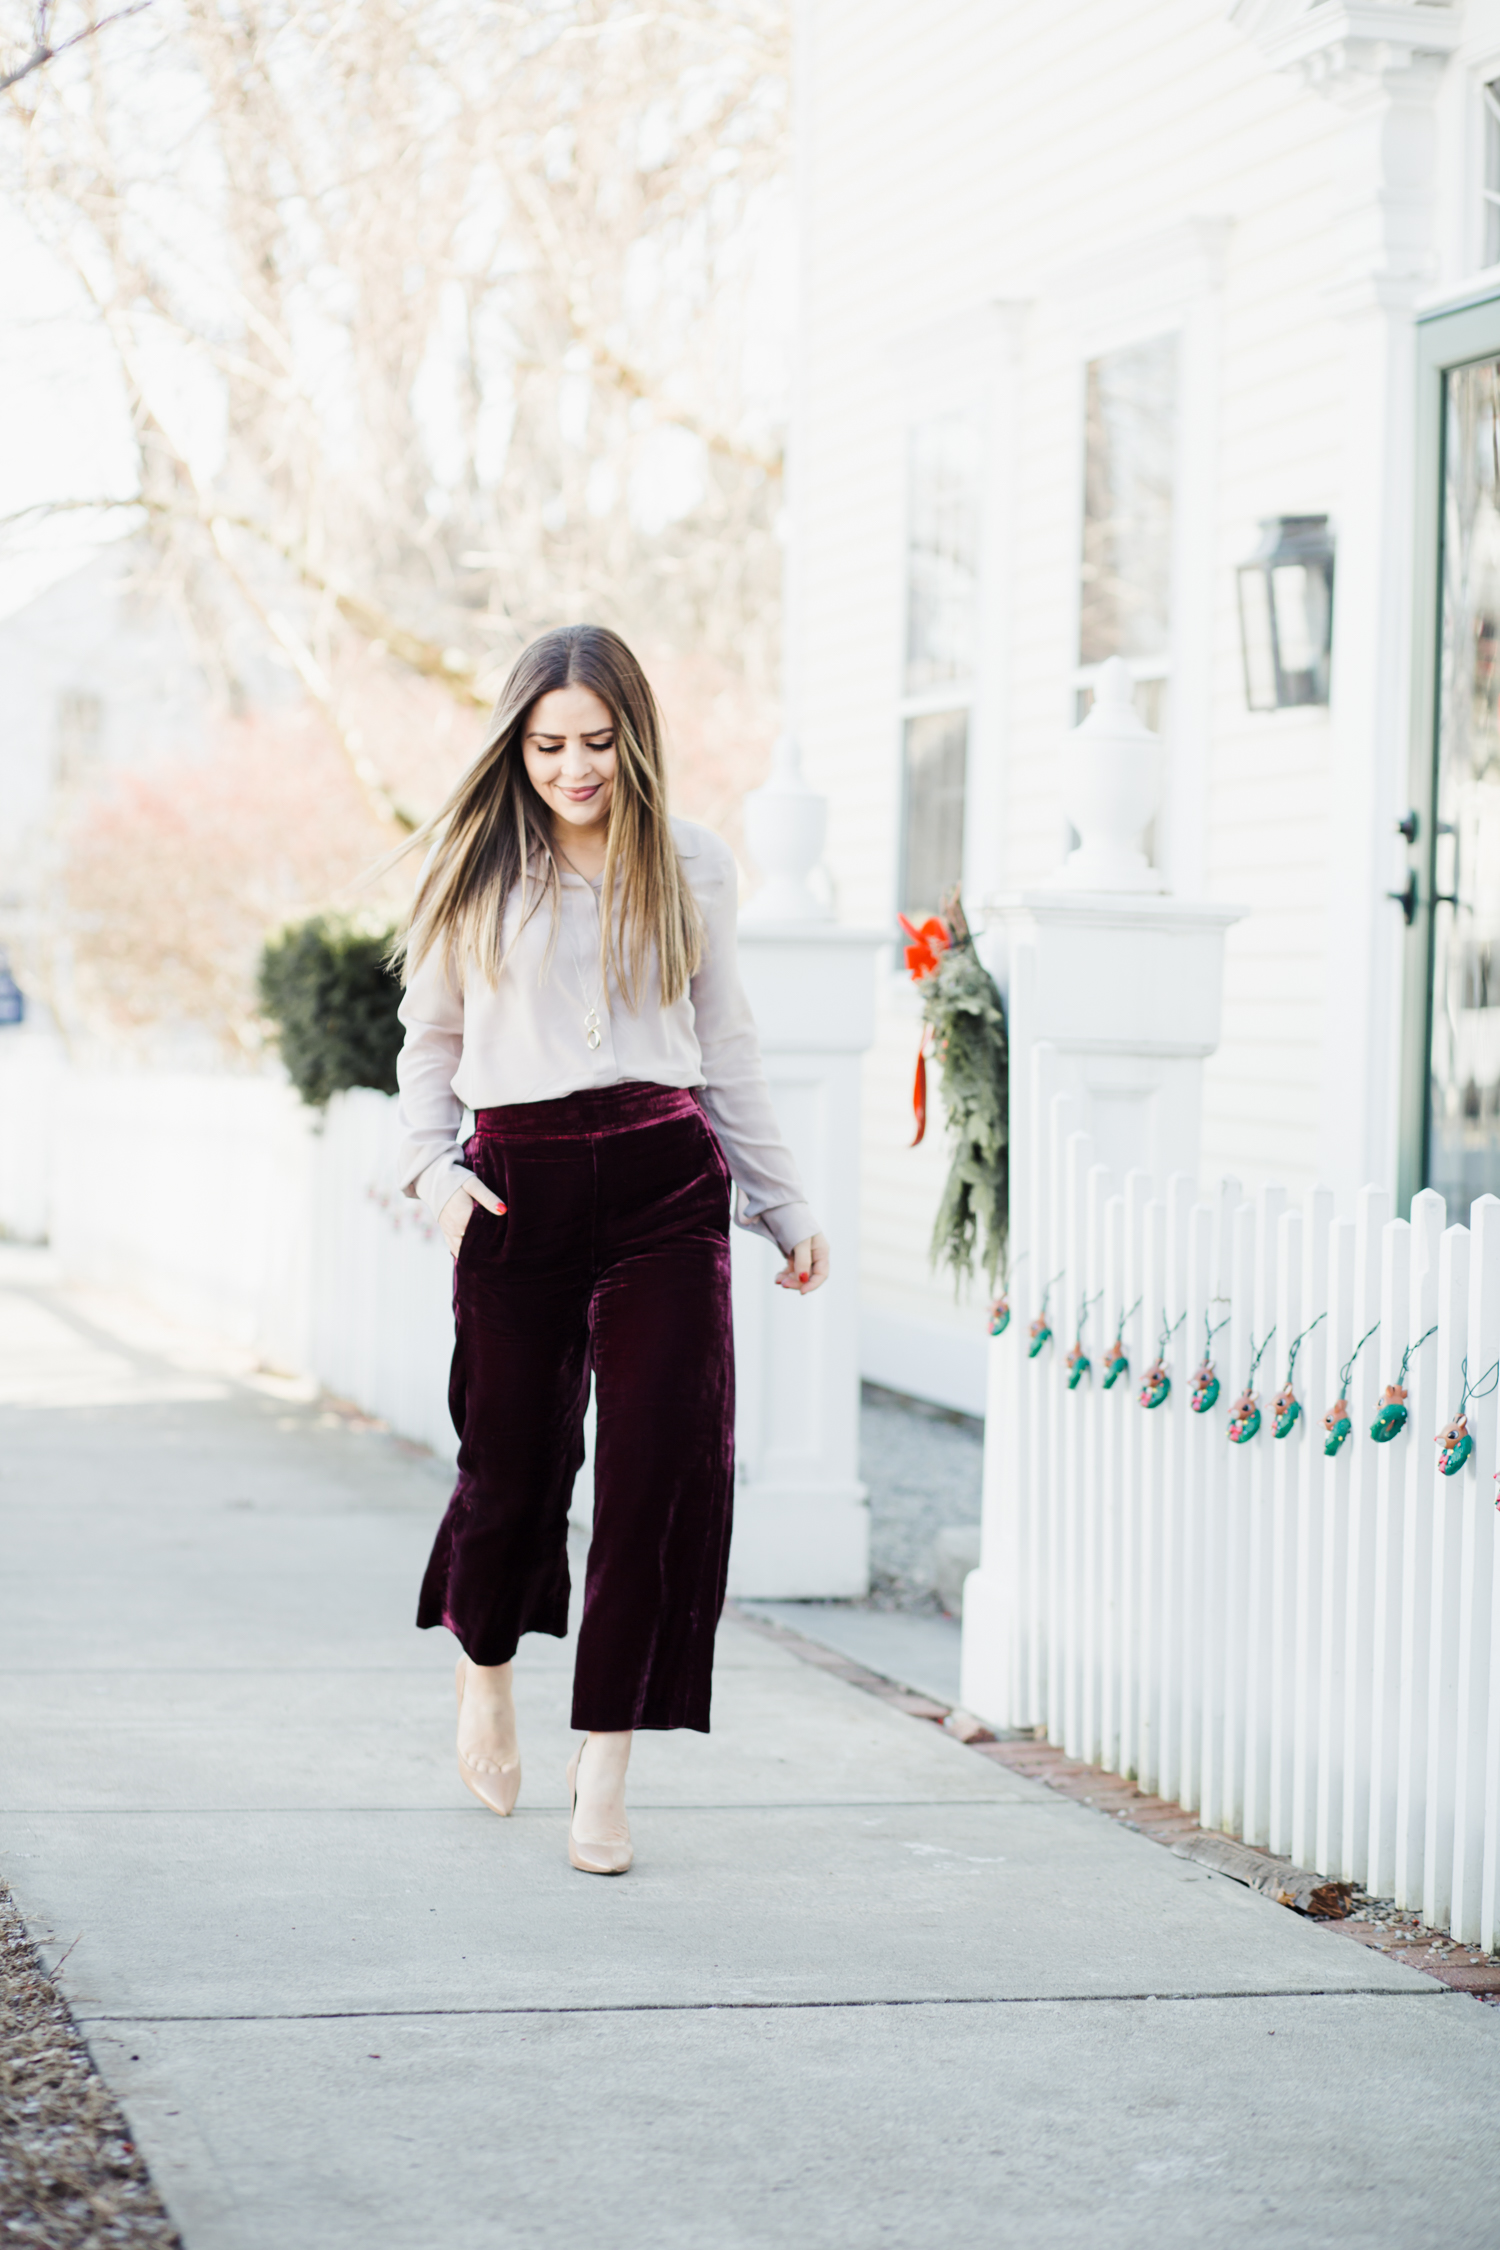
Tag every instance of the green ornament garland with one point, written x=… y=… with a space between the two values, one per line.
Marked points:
x=1157 y=1383
x=1244 y=1417
x=1078 y=1362
x=1454 y=1441
x=1205 y=1393
x=1288 y=1407
x=1040 y=1330
x=1116 y=1359
x=1390 y=1421
x=1336 y=1421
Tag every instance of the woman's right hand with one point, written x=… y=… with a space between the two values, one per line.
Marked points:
x=459 y=1209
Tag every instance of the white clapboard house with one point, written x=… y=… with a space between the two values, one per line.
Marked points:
x=1132 y=328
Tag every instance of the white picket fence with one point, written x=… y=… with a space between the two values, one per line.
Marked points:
x=1298 y=1648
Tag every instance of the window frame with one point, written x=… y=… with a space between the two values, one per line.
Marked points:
x=1448 y=336
x=958 y=695
x=1143 y=669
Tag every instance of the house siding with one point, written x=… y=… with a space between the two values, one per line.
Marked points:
x=960 y=156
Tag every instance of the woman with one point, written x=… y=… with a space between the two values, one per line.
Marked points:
x=570 y=978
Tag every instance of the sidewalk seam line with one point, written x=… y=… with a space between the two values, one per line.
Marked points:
x=722 y=2007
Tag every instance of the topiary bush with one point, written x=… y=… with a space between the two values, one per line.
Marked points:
x=325 y=986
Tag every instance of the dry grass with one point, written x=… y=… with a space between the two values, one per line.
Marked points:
x=70 y=2177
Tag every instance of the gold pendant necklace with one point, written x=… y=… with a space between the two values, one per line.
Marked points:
x=591 y=1027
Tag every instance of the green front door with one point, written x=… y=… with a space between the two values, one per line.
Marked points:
x=1452 y=1136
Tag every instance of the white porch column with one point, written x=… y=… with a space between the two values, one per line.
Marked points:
x=801 y=1524
x=1381 y=62
x=1124 y=985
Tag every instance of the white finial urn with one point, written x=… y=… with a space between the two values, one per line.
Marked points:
x=785 y=826
x=1112 y=767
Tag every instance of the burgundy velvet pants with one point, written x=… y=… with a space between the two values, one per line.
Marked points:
x=612 y=1258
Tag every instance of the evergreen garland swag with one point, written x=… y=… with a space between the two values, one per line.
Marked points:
x=964 y=1030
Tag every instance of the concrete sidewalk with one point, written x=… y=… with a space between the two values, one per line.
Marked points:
x=863 y=1987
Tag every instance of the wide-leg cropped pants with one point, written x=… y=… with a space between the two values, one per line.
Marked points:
x=612 y=1259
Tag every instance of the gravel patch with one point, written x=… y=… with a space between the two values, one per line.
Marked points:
x=923 y=1465
x=70 y=2178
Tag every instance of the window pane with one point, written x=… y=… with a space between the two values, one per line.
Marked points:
x=1463 y=1157
x=932 y=839
x=1491 y=252
x=942 y=551
x=1129 y=443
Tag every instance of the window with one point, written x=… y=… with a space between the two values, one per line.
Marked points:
x=935 y=753
x=1125 y=576
x=1490 y=192
x=941 y=657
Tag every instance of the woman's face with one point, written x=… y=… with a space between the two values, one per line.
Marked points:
x=569 y=750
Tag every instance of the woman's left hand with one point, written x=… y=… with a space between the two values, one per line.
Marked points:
x=806 y=1267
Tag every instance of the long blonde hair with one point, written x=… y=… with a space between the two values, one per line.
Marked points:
x=494 y=830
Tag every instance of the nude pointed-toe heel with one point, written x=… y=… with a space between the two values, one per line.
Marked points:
x=605 y=1859
x=497 y=1790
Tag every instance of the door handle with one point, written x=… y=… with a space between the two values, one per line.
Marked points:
x=1407 y=899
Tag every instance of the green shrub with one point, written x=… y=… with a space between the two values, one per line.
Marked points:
x=325 y=986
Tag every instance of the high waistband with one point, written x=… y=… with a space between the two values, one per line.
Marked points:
x=592 y=1112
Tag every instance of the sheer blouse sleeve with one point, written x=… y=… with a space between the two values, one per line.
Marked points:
x=431 y=1114
x=771 y=1199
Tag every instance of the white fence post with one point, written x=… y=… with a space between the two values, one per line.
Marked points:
x=801 y=1524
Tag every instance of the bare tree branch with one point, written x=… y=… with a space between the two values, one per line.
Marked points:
x=42 y=52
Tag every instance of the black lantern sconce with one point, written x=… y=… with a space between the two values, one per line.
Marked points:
x=1286 y=613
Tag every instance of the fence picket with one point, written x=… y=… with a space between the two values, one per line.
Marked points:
x=1387 y=1534
x=1039 y=1421
x=1371 y=1212
x=1309 y=1380
x=1211 y=1810
x=1090 y=1403
x=1071 y=1314
x=1147 y=1588
x=1144 y=1326
x=1428 y=1214
x=1236 y=1476
x=1446 y=1504
x=1476 y=1575
x=1112 y=1426
x=1174 y=1495
x=1259 y=1528
x=1192 y=1594
x=1282 y=1620
x=1329 y=1824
